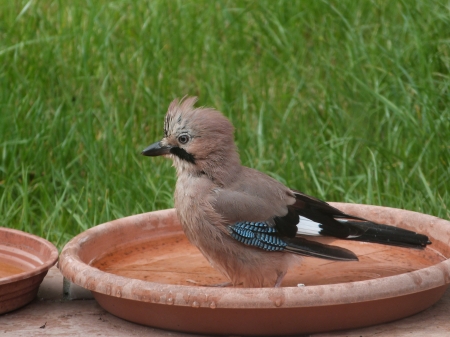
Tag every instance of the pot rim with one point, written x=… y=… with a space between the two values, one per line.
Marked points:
x=45 y=266
x=84 y=275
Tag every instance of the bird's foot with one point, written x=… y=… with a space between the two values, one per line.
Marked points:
x=220 y=285
x=280 y=279
x=192 y=281
x=223 y=284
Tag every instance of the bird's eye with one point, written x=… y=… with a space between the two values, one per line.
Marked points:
x=183 y=139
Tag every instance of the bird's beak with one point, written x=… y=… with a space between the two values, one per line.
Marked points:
x=156 y=149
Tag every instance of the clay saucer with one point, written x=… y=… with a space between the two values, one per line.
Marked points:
x=24 y=262
x=142 y=268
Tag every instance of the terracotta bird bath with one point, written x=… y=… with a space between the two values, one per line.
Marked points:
x=24 y=262
x=142 y=268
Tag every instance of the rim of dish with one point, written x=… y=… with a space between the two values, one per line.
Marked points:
x=84 y=275
x=45 y=266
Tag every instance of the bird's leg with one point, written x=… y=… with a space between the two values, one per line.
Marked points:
x=280 y=278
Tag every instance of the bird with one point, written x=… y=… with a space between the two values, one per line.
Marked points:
x=249 y=226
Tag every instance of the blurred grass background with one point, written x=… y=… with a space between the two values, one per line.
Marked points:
x=344 y=100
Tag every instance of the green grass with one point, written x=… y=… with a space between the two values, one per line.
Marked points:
x=345 y=100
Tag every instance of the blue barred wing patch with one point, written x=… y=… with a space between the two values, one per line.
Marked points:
x=257 y=234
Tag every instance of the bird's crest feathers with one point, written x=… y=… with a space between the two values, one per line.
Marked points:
x=178 y=107
x=210 y=146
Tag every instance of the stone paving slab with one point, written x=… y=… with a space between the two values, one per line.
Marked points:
x=53 y=314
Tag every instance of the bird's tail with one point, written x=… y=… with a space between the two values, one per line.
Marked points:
x=320 y=218
x=385 y=234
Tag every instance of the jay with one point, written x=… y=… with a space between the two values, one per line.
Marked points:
x=249 y=226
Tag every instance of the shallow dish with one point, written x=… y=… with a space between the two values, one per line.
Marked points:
x=142 y=268
x=24 y=262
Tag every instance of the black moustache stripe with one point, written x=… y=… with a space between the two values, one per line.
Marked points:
x=182 y=154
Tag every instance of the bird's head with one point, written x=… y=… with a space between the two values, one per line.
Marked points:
x=199 y=140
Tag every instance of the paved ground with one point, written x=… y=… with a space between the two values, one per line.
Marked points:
x=52 y=315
